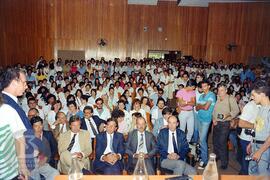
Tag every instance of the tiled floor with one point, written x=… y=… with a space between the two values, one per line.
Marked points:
x=233 y=167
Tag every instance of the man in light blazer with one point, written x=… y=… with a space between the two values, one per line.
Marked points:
x=141 y=141
x=61 y=125
x=75 y=143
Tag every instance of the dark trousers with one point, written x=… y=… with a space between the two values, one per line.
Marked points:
x=220 y=137
x=244 y=163
x=108 y=169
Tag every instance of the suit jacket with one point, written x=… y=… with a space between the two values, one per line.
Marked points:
x=132 y=143
x=84 y=140
x=48 y=138
x=56 y=131
x=163 y=143
x=101 y=144
x=96 y=119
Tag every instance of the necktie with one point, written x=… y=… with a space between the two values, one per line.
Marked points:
x=72 y=142
x=111 y=142
x=174 y=144
x=141 y=144
x=93 y=128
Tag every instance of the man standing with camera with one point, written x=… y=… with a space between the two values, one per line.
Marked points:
x=259 y=164
x=226 y=109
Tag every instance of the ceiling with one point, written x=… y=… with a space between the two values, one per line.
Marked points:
x=200 y=3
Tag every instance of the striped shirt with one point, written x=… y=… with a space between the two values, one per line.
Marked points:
x=8 y=159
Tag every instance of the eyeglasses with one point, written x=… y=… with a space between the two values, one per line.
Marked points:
x=24 y=82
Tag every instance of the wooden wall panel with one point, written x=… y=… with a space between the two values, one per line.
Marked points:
x=31 y=28
x=182 y=29
x=245 y=24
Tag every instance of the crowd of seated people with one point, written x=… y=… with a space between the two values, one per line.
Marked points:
x=122 y=108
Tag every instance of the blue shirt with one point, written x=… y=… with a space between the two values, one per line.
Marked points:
x=30 y=78
x=82 y=70
x=251 y=75
x=206 y=115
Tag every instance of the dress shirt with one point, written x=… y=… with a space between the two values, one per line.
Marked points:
x=170 y=144
x=76 y=147
x=64 y=128
x=109 y=139
x=92 y=135
x=144 y=149
x=165 y=122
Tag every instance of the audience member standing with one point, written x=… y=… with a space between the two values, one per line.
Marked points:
x=205 y=110
x=226 y=109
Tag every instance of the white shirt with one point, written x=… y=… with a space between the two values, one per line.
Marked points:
x=165 y=122
x=112 y=101
x=64 y=128
x=105 y=114
x=10 y=116
x=91 y=100
x=249 y=114
x=109 y=139
x=140 y=111
x=119 y=90
x=155 y=78
x=76 y=147
x=144 y=149
x=51 y=118
x=92 y=135
x=170 y=141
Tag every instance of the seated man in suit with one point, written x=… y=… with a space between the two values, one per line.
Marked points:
x=109 y=150
x=162 y=122
x=141 y=141
x=33 y=112
x=47 y=150
x=61 y=124
x=92 y=123
x=173 y=148
x=75 y=143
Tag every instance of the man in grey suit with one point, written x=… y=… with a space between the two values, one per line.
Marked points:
x=141 y=141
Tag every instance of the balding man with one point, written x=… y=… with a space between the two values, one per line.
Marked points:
x=32 y=112
x=141 y=141
x=173 y=148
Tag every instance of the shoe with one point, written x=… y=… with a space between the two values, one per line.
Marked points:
x=201 y=165
x=223 y=167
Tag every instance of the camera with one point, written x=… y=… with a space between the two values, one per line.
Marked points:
x=248 y=158
x=220 y=116
x=250 y=132
x=198 y=151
